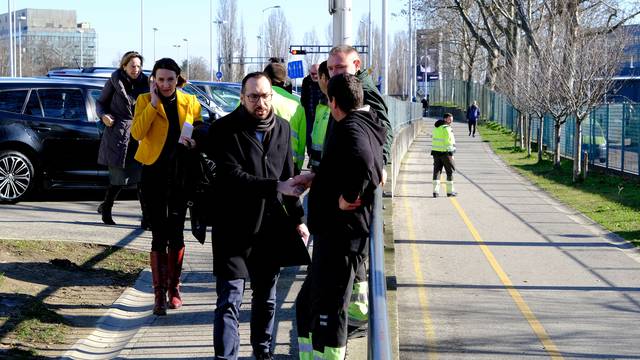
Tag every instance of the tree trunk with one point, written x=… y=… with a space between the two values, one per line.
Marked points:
x=540 y=139
x=577 y=151
x=556 y=151
x=529 y=135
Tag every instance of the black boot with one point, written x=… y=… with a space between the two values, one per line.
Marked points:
x=107 y=204
x=145 y=222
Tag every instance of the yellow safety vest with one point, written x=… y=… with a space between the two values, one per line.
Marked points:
x=442 y=139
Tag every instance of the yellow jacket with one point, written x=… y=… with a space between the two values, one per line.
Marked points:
x=150 y=125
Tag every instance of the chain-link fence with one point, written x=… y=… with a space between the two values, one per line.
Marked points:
x=402 y=112
x=610 y=135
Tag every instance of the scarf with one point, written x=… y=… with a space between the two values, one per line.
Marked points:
x=263 y=125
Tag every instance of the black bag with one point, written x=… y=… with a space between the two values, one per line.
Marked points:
x=202 y=170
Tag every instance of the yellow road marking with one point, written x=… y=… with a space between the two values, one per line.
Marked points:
x=537 y=327
x=422 y=292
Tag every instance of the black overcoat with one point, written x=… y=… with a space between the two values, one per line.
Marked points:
x=247 y=205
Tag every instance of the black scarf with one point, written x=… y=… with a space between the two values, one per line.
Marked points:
x=263 y=125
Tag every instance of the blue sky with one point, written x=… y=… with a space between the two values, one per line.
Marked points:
x=117 y=22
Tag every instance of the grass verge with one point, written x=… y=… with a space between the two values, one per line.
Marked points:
x=610 y=200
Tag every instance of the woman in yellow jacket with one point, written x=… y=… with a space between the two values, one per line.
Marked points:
x=161 y=122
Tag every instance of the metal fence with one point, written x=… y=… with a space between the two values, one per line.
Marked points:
x=611 y=133
x=402 y=112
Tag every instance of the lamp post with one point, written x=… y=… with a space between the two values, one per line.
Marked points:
x=219 y=23
x=186 y=44
x=262 y=35
x=141 y=27
x=155 y=30
x=20 y=43
x=81 y=49
x=177 y=46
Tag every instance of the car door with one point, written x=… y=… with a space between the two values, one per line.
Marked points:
x=69 y=139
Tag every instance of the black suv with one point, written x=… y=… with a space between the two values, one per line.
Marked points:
x=50 y=135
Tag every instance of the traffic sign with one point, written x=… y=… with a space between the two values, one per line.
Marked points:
x=219 y=75
x=294 y=69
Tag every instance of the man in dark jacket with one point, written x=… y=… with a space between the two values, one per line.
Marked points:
x=310 y=96
x=255 y=200
x=340 y=210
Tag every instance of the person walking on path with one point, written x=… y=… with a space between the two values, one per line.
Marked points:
x=115 y=107
x=473 y=114
x=443 y=145
x=425 y=105
x=159 y=122
x=340 y=210
x=254 y=196
x=310 y=97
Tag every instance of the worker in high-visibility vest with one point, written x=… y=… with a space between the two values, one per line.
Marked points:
x=287 y=106
x=321 y=120
x=443 y=145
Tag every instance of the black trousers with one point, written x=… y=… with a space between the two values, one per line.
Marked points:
x=166 y=205
x=443 y=160
x=323 y=301
x=472 y=124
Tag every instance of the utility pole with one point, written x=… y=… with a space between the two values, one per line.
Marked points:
x=12 y=67
x=412 y=69
x=385 y=44
x=341 y=22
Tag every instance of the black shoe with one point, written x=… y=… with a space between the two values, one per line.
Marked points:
x=354 y=332
x=474 y=135
x=105 y=211
x=435 y=195
x=145 y=224
x=453 y=194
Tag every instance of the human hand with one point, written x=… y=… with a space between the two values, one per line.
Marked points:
x=347 y=206
x=304 y=180
x=153 y=90
x=187 y=141
x=303 y=231
x=290 y=187
x=107 y=120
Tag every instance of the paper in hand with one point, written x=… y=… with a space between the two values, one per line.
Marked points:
x=187 y=130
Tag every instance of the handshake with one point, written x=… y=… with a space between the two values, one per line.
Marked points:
x=296 y=185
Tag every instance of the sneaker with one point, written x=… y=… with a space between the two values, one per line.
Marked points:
x=453 y=194
x=435 y=195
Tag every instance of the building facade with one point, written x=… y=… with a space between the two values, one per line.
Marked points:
x=47 y=39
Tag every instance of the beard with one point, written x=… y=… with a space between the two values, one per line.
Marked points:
x=260 y=112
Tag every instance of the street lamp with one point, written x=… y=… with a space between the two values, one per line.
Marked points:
x=177 y=46
x=20 y=18
x=81 y=49
x=155 y=30
x=261 y=35
x=186 y=44
x=219 y=23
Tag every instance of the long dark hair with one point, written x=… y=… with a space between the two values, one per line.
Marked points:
x=169 y=64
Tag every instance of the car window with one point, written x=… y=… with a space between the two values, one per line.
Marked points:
x=33 y=106
x=12 y=100
x=66 y=104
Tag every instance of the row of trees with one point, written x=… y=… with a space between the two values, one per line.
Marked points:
x=550 y=57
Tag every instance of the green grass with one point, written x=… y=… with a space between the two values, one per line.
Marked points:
x=610 y=200
x=40 y=325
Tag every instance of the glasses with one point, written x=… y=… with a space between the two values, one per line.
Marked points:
x=255 y=97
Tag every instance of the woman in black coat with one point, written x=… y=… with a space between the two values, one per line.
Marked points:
x=116 y=107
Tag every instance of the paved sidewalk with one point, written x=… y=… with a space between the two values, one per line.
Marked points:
x=504 y=271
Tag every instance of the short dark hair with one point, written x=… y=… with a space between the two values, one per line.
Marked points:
x=345 y=49
x=277 y=73
x=255 y=74
x=169 y=64
x=347 y=91
x=447 y=115
x=323 y=69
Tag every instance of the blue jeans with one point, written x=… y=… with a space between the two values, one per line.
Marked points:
x=226 y=336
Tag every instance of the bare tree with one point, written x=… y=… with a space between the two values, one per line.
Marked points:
x=311 y=38
x=398 y=65
x=198 y=68
x=239 y=71
x=278 y=35
x=227 y=10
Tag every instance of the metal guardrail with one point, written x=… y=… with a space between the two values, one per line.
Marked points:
x=379 y=339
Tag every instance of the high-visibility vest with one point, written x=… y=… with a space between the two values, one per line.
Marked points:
x=318 y=134
x=293 y=112
x=442 y=139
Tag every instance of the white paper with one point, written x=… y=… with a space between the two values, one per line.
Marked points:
x=187 y=130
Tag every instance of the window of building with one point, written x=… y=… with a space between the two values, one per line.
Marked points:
x=12 y=100
x=67 y=104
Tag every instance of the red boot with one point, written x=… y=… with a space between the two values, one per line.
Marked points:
x=175 y=269
x=159 y=276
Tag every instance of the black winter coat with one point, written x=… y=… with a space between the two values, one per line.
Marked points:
x=245 y=193
x=118 y=98
x=351 y=167
x=374 y=99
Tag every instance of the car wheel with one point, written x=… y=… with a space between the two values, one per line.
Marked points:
x=16 y=176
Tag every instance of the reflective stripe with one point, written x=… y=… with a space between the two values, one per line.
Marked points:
x=335 y=353
x=442 y=139
x=317 y=355
x=359 y=302
x=450 y=187
x=294 y=134
x=436 y=186
x=316 y=147
x=305 y=348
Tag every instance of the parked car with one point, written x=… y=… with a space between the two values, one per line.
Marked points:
x=50 y=135
x=226 y=93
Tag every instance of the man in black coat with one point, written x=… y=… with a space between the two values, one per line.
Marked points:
x=256 y=201
x=310 y=96
x=340 y=211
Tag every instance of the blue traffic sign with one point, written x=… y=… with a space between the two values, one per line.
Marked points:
x=219 y=75
x=295 y=70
